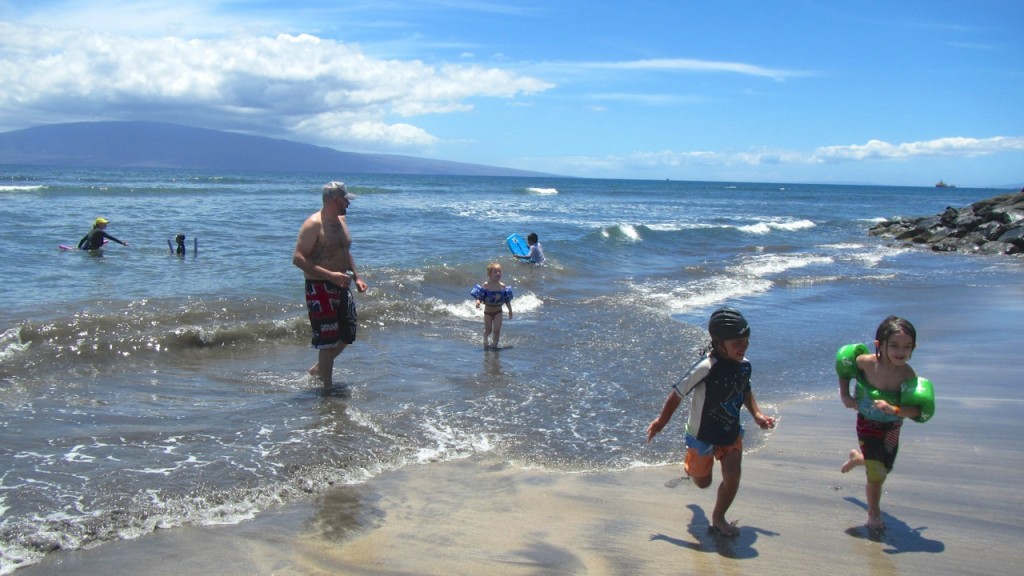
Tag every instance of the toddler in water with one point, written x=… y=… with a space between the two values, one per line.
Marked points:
x=720 y=383
x=880 y=392
x=493 y=294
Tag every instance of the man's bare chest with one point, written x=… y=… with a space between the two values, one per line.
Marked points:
x=335 y=235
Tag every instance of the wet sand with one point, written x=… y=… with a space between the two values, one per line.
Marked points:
x=952 y=505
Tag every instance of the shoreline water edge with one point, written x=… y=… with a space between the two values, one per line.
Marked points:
x=796 y=512
x=157 y=416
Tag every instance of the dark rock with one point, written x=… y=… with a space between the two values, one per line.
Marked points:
x=973 y=240
x=909 y=233
x=968 y=220
x=991 y=230
x=991 y=226
x=946 y=245
x=998 y=248
x=949 y=216
x=1014 y=236
x=1007 y=215
x=934 y=234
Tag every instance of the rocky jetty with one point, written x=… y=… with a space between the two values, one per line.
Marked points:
x=993 y=226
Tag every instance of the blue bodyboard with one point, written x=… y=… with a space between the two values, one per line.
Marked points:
x=517 y=244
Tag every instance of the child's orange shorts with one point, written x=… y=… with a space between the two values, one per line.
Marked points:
x=700 y=456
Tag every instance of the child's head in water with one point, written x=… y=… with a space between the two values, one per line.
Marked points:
x=730 y=333
x=895 y=340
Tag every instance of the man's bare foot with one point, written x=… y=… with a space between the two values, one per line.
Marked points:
x=314 y=370
x=856 y=459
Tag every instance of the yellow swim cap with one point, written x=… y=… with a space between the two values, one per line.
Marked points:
x=100 y=221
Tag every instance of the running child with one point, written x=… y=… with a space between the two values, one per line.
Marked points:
x=887 y=391
x=493 y=294
x=720 y=383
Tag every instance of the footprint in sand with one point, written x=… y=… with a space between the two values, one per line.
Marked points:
x=676 y=482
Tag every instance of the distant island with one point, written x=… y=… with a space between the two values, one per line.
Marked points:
x=163 y=145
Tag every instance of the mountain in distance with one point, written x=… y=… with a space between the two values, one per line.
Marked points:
x=163 y=145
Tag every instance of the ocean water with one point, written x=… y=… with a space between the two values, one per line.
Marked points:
x=140 y=390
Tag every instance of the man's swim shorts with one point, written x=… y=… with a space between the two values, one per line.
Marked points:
x=332 y=313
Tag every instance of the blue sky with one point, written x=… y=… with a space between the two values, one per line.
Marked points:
x=881 y=92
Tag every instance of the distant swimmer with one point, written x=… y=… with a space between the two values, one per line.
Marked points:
x=94 y=239
x=536 y=254
x=181 y=250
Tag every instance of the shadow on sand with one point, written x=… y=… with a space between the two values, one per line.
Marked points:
x=897 y=535
x=739 y=547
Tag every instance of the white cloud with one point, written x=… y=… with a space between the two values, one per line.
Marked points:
x=647 y=99
x=691 y=65
x=643 y=161
x=962 y=147
x=954 y=146
x=349 y=127
x=298 y=86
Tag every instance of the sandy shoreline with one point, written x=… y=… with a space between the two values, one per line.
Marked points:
x=953 y=504
x=795 y=510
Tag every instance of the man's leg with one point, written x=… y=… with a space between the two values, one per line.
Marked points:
x=324 y=367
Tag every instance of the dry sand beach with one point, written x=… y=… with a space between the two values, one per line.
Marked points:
x=953 y=506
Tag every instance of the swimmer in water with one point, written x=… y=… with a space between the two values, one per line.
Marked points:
x=93 y=240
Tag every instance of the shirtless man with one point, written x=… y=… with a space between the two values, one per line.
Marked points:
x=323 y=254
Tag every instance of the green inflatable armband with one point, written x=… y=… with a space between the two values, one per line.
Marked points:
x=918 y=392
x=846 y=360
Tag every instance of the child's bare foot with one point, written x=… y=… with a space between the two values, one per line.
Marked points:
x=856 y=459
x=723 y=528
x=875 y=523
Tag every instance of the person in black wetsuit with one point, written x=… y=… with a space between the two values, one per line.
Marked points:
x=94 y=239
